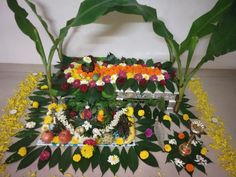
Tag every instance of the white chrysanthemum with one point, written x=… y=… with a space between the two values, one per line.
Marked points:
x=84 y=82
x=30 y=124
x=70 y=80
x=66 y=71
x=87 y=125
x=113 y=159
x=13 y=111
x=200 y=160
x=96 y=133
x=146 y=76
x=178 y=162
x=122 y=64
x=113 y=78
x=100 y=63
x=160 y=77
x=172 y=141
x=87 y=59
x=100 y=82
x=45 y=127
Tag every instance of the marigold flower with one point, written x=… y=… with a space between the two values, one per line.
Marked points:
x=22 y=151
x=87 y=151
x=141 y=112
x=75 y=140
x=204 y=151
x=144 y=154
x=56 y=140
x=181 y=135
x=167 y=117
x=35 y=104
x=189 y=167
x=186 y=117
x=119 y=141
x=130 y=111
x=52 y=106
x=76 y=157
x=167 y=147
x=47 y=120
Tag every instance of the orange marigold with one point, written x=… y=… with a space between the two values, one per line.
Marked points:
x=189 y=168
x=181 y=136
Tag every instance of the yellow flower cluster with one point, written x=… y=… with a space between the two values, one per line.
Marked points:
x=87 y=151
x=167 y=117
x=221 y=141
x=119 y=141
x=57 y=107
x=76 y=157
x=130 y=111
x=10 y=123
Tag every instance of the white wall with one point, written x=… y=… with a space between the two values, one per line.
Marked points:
x=123 y=35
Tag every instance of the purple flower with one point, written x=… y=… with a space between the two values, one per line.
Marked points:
x=44 y=155
x=148 y=132
x=167 y=76
x=76 y=83
x=138 y=77
x=106 y=79
x=153 y=78
x=68 y=75
x=122 y=74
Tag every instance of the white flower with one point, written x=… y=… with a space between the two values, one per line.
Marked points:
x=160 y=77
x=172 y=141
x=194 y=142
x=163 y=71
x=87 y=59
x=30 y=124
x=146 y=76
x=100 y=63
x=178 y=162
x=100 y=82
x=200 y=160
x=84 y=82
x=113 y=78
x=45 y=127
x=113 y=159
x=96 y=133
x=70 y=80
x=66 y=71
x=35 y=74
x=13 y=111
x=87 y=125
x=122 y=64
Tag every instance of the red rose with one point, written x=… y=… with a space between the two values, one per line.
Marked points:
x=142 y=82
x=73 y=114
x=76 y=83
x=90 y=142
x=64 y=86
x=121 y=80
x=83 y=88
x=163 y=82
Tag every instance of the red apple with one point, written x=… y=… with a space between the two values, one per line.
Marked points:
x=47 y=136
x=65 y=136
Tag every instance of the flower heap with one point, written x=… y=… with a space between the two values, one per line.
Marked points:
x=197 y=159
x=104 y=73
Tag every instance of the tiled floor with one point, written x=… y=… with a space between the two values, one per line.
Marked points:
x=221 y=88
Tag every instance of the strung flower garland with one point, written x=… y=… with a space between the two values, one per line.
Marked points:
x=10 y=123
x=221 y=140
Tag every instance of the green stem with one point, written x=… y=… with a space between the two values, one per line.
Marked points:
x=60 y=50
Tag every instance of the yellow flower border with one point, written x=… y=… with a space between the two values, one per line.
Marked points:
x=221 y=140
x=10 y=124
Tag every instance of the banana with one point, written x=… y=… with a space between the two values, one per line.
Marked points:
x=131 y=136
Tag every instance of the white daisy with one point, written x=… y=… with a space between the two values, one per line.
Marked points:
x=172 y=141
x=113 y=78
x=70 y=80
x=100 y=82
x=87 y=125
x=113 y=159
x=200 y=160
x=178 y=162
x=160 y=77
x=30 y=124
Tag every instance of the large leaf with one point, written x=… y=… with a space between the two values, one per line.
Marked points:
x=96 y=158
x=55 y=158
x=147 y=145
x=224 y=36
x=115 y=168
x=104 y=165
x=43 y=163
x=30 y=158
x=133 y=159
x=124 y=158
x=65 y=160
x=26 y=141
x=204 y=25
x=27 y=27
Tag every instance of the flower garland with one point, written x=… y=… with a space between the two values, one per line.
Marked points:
x=15 y=109
x=221 y=140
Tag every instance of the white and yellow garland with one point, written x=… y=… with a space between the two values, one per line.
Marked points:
x=221 y=140
x=16 y=108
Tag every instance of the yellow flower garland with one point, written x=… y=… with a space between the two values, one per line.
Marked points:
x=221 y=140
x=16 y=107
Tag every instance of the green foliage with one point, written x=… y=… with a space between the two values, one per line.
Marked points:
x=65 y=160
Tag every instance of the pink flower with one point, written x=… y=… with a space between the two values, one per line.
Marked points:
x=68 y=75
x=153 y=78
x=163 y=82
x=148 y=132
x=73 y=114
x=122 y=74
x=76 y=83
x=138 y=77
x=71 y=66
x=64 y=86
x=167 y=76
x=44 y=155
x=106 y=79
x=92 y=83
x=90 y=142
